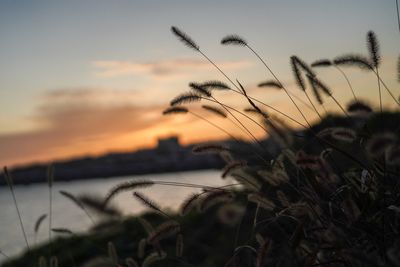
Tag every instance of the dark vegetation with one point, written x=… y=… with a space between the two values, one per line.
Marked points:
x=331 y=197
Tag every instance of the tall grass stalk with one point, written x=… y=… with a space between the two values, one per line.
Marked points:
x=184 y=38
x=229 y=134
x=328 y=63
x=375 y=57
x=9 y=181
x=50 y=180
x=191 y=44
x=202 y=90
x=4 y=255
x=236 y=119
x=276 y=78
x=398 y=15
x=347 y=80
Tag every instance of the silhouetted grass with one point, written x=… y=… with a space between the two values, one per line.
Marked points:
x=331 y=197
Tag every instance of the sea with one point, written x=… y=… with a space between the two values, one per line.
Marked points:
x=33 y=201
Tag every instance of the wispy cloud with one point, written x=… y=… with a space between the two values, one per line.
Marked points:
x=79 y=121
x=160 y=69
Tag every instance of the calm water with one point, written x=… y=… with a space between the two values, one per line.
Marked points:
x=33 y=201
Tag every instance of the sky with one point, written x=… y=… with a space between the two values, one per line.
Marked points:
x=87 y=77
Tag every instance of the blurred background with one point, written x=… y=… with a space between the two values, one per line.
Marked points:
x=89 y=77
x=84 y=84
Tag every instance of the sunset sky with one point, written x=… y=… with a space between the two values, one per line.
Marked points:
x=87 y=77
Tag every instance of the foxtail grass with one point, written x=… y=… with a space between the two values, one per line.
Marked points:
x=236 y=40
x=328 y=63
x=38 y=223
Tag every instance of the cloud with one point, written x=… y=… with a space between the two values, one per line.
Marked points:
x=74 y=122
x=160 y=69
x=78 y=121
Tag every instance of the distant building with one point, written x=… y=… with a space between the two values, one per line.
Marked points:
x=167 y=145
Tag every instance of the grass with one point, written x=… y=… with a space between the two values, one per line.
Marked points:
x=331 y=197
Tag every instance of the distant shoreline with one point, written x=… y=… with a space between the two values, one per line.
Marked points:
x=111 y=176
x=169 y=156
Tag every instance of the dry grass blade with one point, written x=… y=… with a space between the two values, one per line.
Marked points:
x=321 y=63
x=393 y=155
x=179 y=246
x=232 y=166
x=242 y=88
x=131 y=262
x=7 y=177
x=215 y=110
x=319 y=84
x=230 y=214
x=96 y=203
x=127 y=186
x=200 y=89
x=343 y=134
x=142 y=247
x=72 y=198
x=42 y=262
x=188 y=204
x=324 y=133
x=184 y=38
x=147 y=202
x=307 y=161
x=100 y=262
x=276 y=177
x=175 y=110
x=315 y=90
x=76 y=201
x=53 y=261
x=353 y=60
x=248 y=181
x=163 y=231
x=215 y=197
x=50 y=175
x=398 y=70
x=50 y=181
x=271 y=83
x=185 y=98
x=153 y=257
x=297 y=73
x=261 y=201
x=9 y=181
x=264 y=114
x=112 y=253
x=303 y=65
x=233 y=40
x=209 y=148
x=351 y=209
x=325 y=153
x=262 y=254
x=249 y=100
x=64 y=231
x=4 y=255
x=279 y=133
x=373 y=47
x=146 y=225
x=378 y=144
x=216 y=85
x=282 y=198
x=358 y=107
x=39 y=222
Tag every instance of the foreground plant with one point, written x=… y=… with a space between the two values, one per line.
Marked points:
x=315 y=204
x=329 y=197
